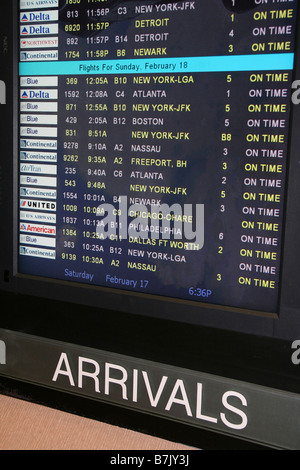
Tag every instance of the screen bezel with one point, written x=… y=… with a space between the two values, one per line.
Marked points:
x=255 y=348
x=177 y=312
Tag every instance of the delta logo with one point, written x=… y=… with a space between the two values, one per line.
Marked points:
x=33 y=17
x=37 y=95
x=35 y=30
x=43 y=229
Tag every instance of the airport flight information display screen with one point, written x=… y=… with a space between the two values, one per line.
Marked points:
x=153 y=145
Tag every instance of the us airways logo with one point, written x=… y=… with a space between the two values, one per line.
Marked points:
x=31 y=4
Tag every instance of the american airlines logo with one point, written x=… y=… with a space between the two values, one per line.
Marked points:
x=42 y=229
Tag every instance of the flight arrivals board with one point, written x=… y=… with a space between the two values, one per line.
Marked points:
x=153 y=145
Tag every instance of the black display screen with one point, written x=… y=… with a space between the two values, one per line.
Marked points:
x=153 y=146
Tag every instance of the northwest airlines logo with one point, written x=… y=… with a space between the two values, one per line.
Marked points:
x=43 y=229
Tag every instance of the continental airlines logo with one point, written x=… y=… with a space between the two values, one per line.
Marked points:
x=37 y=252
x=39 y=56
x=42 y=229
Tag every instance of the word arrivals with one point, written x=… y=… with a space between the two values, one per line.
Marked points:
x=131 y=386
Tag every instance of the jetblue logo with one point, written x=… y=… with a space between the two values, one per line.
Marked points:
x=2 y=92
x=2 y=353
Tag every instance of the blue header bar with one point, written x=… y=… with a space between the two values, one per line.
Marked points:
x=241 y=63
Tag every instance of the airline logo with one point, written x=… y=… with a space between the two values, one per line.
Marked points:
x=39 y=29
x=41 y=241
x=38 y=16
x=37 y=252
x=38 y=144
x=39 y=131
x=32 y=4
x=39 y=119
x=32 y=43
x=38 y=81
x=38 y=169
x=39 y=217
x=35 y=228
x=36 y=56
x=37 y=205
x=38 y=192
x=38 y=156
x=51 y=182
x=39 y=94
x=43 y=106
